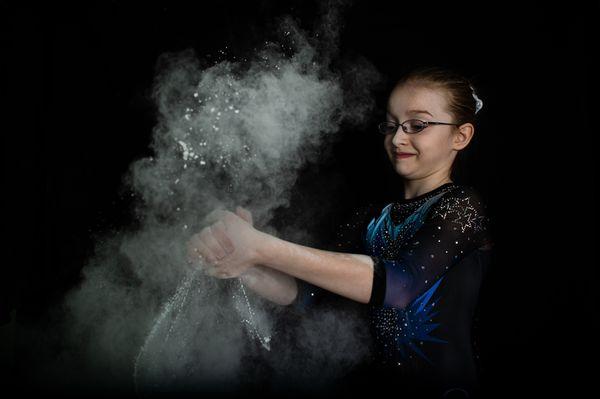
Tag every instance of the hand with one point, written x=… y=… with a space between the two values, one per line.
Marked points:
x=228 y=247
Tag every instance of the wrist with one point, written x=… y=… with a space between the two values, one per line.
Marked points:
x=264 y=253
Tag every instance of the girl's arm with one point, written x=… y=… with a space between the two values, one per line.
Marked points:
x=268 y=283
x=231 y=246
x=348 y=275
x=271 y=284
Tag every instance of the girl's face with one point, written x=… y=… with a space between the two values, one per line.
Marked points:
x=435 y=147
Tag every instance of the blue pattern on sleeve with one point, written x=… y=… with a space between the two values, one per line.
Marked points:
x=414 y=322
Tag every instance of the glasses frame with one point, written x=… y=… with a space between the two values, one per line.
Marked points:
x=404 y=129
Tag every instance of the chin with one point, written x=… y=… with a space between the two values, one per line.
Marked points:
x=402 y=171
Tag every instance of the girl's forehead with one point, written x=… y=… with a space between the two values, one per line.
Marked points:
x=410 y=97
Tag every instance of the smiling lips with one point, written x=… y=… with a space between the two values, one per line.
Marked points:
x=403 y=155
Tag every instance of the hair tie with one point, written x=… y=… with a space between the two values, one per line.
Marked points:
x=478 y=102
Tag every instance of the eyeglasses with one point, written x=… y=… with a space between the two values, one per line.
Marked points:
x=410 y=126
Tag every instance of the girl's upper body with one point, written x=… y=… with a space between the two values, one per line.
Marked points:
x=430 y=254
x=420 y=260
x=430 y=249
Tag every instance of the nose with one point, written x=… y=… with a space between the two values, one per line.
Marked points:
x=400 y=137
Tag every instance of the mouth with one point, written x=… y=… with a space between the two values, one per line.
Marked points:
x=402 y=155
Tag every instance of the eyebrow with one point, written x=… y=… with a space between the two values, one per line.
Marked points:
x=413 y=111
x=419 y=111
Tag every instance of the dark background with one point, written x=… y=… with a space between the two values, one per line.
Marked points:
x=76 y=83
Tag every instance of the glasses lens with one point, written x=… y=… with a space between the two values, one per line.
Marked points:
x=414 y=125
x=388 y=127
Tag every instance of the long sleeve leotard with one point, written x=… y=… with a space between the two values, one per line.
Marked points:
x=430 y=255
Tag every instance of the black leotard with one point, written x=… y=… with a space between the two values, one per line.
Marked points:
x=430 y=254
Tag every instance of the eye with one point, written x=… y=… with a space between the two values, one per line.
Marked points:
x=415 y=125
x=388 y=127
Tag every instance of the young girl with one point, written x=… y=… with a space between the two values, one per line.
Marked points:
x=422 y=259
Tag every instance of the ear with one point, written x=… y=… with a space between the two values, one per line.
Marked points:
x=463 y=136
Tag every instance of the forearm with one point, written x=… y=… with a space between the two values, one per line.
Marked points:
x=271 y=284
x=349 y=275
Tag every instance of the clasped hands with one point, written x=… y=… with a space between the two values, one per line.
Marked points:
x=228 y=247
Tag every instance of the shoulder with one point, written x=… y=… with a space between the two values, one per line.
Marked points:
x=366 y=211
x=464 y=207
x=466 y=194
x=351 y=225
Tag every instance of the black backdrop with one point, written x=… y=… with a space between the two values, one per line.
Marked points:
x=76 y=83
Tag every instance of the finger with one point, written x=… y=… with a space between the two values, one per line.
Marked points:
x=217 y=273
x=215 y=215
x=244 y=214
x=209 y=240
x=195 y=249
x=224 y=275
x=204 y=255
x=210 y=271
x=218 y=231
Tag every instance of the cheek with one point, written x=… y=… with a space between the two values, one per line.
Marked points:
x=434 y=149
x=387 y=142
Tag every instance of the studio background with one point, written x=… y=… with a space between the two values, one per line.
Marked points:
x=76 y=82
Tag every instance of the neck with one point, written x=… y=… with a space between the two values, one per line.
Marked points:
x=413 y=188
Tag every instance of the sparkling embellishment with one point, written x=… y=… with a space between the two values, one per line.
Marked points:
x=461 y=212
x=417 y=319
x=415 y=263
